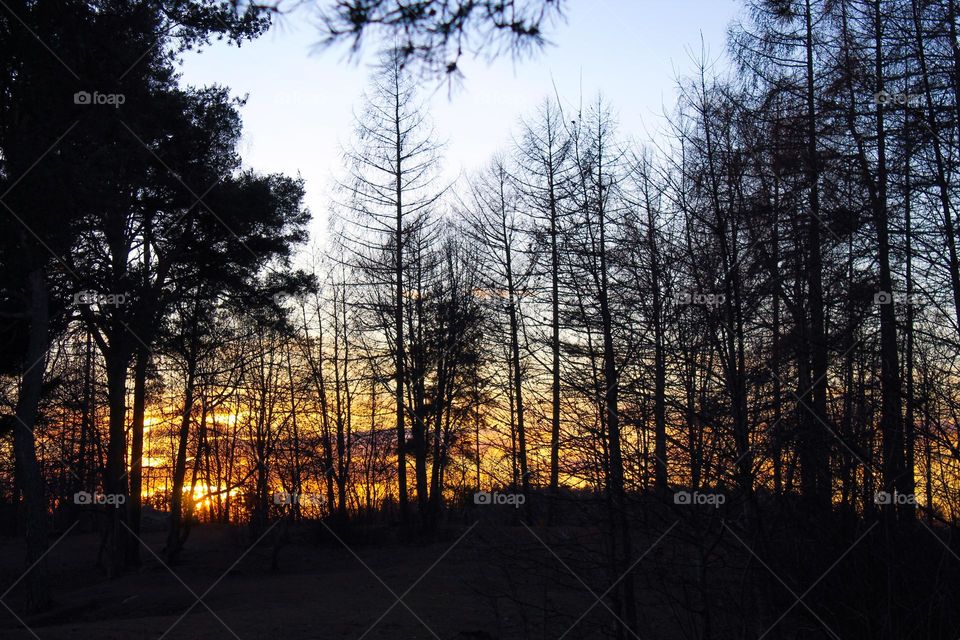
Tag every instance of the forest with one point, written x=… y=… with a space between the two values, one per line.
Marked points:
x=703 y=386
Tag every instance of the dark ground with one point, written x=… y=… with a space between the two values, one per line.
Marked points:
x=320 y=590
x=698 y=575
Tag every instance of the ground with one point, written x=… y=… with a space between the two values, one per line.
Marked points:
x=318 y=591
x=471 y=579
x=697 y=573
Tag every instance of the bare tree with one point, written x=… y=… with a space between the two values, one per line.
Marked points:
x=389 y=197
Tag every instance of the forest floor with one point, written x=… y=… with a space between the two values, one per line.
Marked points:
x=322 y=588
x=486 y=576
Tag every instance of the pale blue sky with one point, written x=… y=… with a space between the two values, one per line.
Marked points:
x=301 y=101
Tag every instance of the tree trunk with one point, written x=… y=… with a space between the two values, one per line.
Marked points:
x=115 y=483
x=180 y=465
x=400 y=355
x=819 y=438
x=554 y=341
x=136 y=452
x=27 y=470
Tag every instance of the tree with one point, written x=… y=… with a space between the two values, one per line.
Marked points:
x=434 y=34
x=598 y=205
x=543 y=159
x=494 y=223
x=388 y=198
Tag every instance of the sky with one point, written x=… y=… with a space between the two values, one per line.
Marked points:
x=300 y=105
